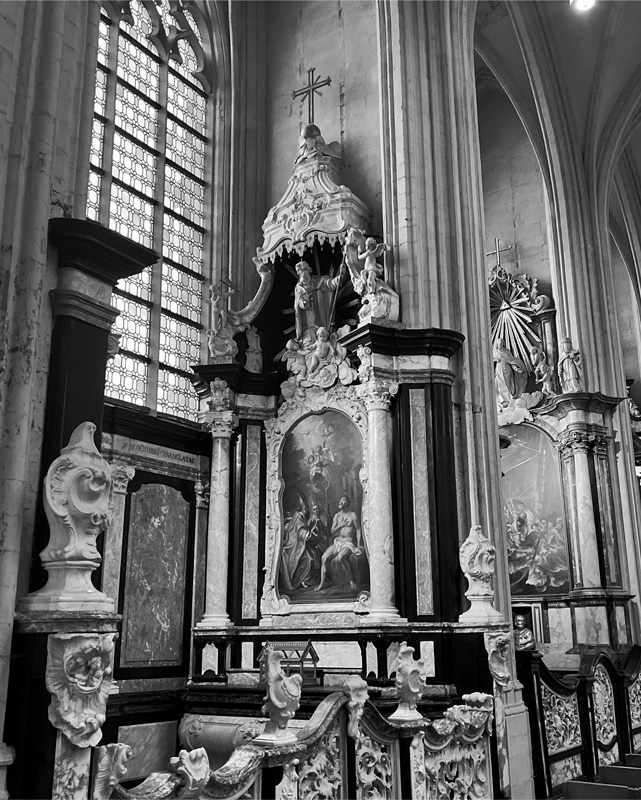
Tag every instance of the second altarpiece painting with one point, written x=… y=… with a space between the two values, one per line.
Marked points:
x=534 y=520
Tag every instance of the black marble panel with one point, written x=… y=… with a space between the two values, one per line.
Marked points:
x=155 y=584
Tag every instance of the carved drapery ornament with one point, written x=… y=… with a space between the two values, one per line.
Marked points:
x=78 y=677
x=477 y=557
x=410 y=684
x=281 y=701
x=77 y=499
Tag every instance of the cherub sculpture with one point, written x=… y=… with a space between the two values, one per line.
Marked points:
x=281 y=701
x=371 y=268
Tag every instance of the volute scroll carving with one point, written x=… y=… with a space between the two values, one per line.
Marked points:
x=477 y=557
x=281 y=701
x=410 y=684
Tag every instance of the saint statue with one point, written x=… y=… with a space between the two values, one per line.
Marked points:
x=570 y=367
x=306 y=300
x=371 y=268
x=510 y=374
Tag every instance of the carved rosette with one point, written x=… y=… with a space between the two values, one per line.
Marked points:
x=77 y=499
x=339 y=398
x=78 y=677
x=498 y=657
x=410 y=684
x=477 y=558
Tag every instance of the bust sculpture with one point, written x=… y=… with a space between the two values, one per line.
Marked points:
x=523 y=636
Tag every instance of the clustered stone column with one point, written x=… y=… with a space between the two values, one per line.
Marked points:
x=221 y=421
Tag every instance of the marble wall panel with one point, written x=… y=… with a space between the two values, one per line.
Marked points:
x=338 y=654
x=591 y=623
x=560 y=627
x=622 y=628
x=152 y=745
x=422 y=533
x=155 y=579
x=252 y=501
x=247 y=655
x=427 y=654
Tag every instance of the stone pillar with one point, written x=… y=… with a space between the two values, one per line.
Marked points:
x=221 y=421
x=377 y=397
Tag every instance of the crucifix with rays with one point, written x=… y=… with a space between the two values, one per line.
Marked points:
x=308 y=92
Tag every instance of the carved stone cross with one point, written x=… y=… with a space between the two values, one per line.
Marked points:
x=497 y=252
x=308 y=92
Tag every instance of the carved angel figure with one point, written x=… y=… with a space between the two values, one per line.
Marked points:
x=371 y=268
x=281 y=701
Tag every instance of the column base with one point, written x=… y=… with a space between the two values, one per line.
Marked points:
x=214 y=621
x=480 y=612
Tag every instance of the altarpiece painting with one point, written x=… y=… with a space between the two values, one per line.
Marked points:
x=534 y=522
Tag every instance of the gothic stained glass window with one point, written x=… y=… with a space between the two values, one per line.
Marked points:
x=147 y=180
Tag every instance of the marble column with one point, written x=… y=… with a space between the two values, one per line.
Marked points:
x=377 y=397
x=221 y=421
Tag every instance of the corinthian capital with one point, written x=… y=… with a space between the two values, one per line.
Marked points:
x=121 y=475
x=377 y=395
x=221 y=424
x=576 y=441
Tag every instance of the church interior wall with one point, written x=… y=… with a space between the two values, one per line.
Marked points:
x=513 y=190
x=340 y=40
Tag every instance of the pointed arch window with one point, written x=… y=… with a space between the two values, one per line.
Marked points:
x=148 y=180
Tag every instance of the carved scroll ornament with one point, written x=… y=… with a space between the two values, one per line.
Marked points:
x=477 y=556
x=410 y=684
x=281 y=701
x=77 y=495
x=78 y=676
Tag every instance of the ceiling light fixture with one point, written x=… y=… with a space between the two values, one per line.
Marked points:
x=582 y=5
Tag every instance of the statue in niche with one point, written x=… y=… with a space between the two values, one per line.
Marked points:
x=543 y=372
x=510 y=374
x=523 y=636
x=323 y=556
x=305 y=302
x=371 y=268
x=347 y=539
x=570 y=373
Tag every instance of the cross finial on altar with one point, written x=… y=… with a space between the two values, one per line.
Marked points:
x=497 y=252
x=313 y=85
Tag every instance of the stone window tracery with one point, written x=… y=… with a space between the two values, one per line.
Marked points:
x=148 y=181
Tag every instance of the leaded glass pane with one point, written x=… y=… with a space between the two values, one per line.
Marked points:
x=136 y=116
x=179 y=343
x=134 y=165
x=126 y=379
x=93 y=195
x=133 y=324
x=101 y=93
x=184 y=196
x=138 y=68
x=142 y=26
x=186 y=103
x=176 y=395
x=131 y=216
x=186 y=149
x=182 y=243
x=181 y=292
x=139 y=285
x=103 y=43
x=97 y=143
